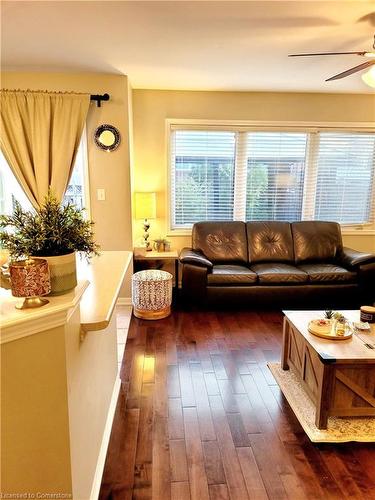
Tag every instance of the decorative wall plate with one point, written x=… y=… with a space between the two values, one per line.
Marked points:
x=107 y=137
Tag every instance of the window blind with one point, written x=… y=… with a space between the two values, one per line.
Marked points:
x=202 y=176
x=284 y=175
x=344 y=178
x=275 y=175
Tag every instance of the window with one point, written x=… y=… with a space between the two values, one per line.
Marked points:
x=10 y=190
x=345 y=175
x=76 y=192
x=284 y=175
x=203 y=176
x=275 y=175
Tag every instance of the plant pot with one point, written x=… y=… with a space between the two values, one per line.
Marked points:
x=63 y=272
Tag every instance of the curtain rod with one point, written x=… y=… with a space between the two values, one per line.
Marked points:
x=99 y=98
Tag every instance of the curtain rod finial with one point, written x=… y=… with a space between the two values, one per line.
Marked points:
x=99 y=98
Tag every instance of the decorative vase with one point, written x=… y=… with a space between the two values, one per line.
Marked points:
x=30 y=278
x=63 y=272
x=159 y=245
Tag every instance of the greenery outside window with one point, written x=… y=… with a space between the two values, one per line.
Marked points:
x=285 y=175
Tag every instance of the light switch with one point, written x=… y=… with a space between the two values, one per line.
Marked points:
x=101 y=194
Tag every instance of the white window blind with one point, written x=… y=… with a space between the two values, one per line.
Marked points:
x=345 y=174
x=202 y=167
x=284 y=175
x=275 y=175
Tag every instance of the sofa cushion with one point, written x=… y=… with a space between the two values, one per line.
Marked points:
x=231 y=274
x=270 y=241
x=316 y=241
x=275 y=272
x=328 y=273
x=221 y=241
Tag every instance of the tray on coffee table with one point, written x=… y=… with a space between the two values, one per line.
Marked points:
x=325 y=329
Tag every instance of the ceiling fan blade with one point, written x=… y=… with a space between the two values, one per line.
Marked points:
x=350 y=71
x=358 y=53
x=370 y=18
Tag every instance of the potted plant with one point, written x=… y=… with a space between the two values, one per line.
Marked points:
x=54 y=232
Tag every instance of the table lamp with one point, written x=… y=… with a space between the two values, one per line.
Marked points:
x=145 y=208
x=30 y=279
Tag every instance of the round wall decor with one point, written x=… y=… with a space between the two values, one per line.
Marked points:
x=107 y=137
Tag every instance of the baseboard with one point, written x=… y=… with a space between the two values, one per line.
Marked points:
x=95 y=489
x=124 y=301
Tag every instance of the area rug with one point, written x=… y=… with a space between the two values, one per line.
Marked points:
x=339 y=429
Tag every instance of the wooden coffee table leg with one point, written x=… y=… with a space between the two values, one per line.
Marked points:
x=285 y=348
x=324 y=397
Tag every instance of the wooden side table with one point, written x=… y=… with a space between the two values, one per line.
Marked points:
x=155 y=260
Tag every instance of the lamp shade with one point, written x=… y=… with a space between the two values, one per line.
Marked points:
x=145 y=205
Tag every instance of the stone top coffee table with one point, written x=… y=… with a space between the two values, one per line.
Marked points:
x=339 y=376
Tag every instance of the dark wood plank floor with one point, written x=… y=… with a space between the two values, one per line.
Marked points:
x=200 y=416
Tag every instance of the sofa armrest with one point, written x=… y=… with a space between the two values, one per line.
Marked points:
x=194 y=283
x=353 y=258
x=190 y=256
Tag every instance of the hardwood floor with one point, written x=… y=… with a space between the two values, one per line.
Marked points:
x=200 y=416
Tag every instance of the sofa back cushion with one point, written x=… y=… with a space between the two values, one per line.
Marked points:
x=221 y=241
x=269 y=241
x=316 y=241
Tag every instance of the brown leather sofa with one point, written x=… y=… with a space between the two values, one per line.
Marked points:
x=277 y=264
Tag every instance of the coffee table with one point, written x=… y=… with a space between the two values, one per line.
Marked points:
x=338 y=375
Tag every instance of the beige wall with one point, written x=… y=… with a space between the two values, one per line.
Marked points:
x=152 y=107
x=34 y=428
x=110 y=171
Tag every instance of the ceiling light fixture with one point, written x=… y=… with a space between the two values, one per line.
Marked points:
x=369 y=77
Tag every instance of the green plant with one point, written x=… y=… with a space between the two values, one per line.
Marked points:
x=330 y=314
x=54 y=229
x=339 y=317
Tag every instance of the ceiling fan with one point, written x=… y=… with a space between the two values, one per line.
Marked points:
x=368 y=78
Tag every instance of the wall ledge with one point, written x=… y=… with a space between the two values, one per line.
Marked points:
x=358 y=232
x=16 y=324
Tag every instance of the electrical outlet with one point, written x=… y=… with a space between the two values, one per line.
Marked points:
x=101 y=194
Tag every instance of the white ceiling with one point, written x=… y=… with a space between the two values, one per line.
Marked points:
x=214 y=45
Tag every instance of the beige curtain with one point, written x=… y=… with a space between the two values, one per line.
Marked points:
x=39 y=137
